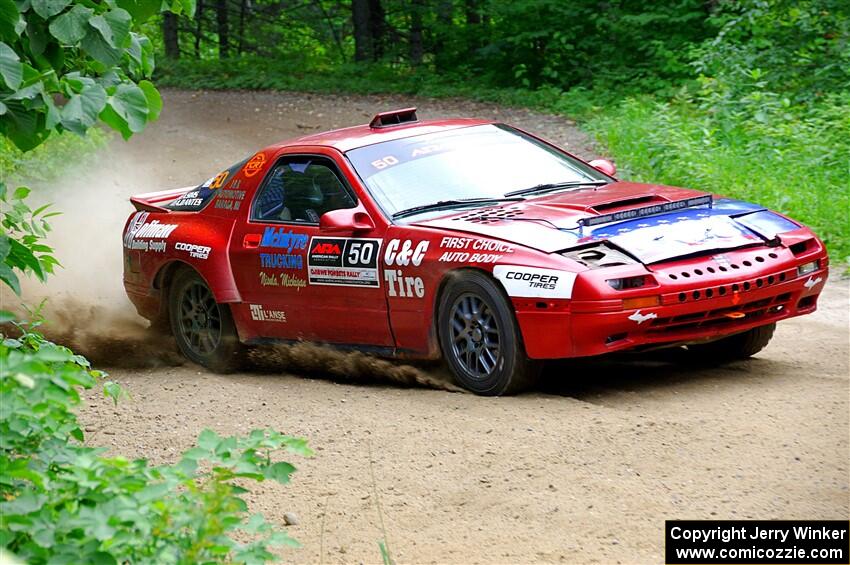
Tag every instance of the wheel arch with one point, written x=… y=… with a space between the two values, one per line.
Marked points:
x=445 y=280
x=162 y=285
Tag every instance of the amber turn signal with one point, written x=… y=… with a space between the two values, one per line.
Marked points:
x=641 y=302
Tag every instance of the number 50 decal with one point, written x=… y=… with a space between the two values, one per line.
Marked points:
x=360 y=253
x=385 y=162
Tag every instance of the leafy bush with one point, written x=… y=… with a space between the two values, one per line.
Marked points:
x=23 y=228
x=67 y=64
x=50 y=159
x=793 y=161
x=63 y=502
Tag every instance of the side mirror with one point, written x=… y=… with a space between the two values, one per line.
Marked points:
x=346 y=221
x=604 y=165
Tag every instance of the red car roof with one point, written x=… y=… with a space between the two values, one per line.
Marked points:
x=353 y=137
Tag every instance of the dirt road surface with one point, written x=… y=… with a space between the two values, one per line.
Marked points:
x=584 y=469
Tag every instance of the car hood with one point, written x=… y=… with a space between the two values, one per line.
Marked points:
x=630 y=215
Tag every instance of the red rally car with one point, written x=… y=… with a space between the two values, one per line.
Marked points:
x=463 y=239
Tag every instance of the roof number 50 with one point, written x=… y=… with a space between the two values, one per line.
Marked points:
x=385 y=162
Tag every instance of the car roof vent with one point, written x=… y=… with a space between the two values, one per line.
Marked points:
x=394 y=118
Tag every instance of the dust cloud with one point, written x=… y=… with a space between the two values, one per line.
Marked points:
x=318 y=361
x=84 y=303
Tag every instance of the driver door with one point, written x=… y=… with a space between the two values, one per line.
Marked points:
x=326 y=288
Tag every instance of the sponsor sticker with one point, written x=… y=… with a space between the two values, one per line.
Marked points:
x=191 y=199
x=218 y=180
x=533 y=282
x=140 y=233
x=343 y=261
x=230 y=199
x=195 y=251
x=261 y=314
x=255 y=165
x=403 y=253
x=282 y=239
x=281 y=261
x=282 y=280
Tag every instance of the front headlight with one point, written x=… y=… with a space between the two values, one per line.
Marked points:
x=598 y=256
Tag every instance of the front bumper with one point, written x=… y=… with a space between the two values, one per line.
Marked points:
x=688 y=313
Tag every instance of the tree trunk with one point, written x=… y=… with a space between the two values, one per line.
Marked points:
x=417 y=51
x=362 y=30
x=169 y=34
x=473 y=15
x=378 y=26
x=199 y=28
x=223 y=31
x=243 y=11
x=445 y=12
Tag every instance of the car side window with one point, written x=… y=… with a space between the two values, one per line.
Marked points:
x=300 y=190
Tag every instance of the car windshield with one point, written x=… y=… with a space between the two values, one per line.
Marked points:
x=483 y=163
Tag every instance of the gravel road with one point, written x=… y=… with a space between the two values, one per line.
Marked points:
x=584 y=469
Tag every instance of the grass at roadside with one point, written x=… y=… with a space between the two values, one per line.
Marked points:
x=797 y=163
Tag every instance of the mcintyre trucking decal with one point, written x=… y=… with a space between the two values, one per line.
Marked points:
x=343 y=261
x=531 y=282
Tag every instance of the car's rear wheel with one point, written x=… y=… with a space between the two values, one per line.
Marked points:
x=204 y=329
x=738 y=346
x=480 y=339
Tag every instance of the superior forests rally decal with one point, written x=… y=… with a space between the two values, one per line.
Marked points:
x=343 y=261
x=531 y=282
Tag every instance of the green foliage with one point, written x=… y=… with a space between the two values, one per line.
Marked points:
x=65 y=65
x=63 y=502
x=797 y=163
x=50 y=159
x=20 y=240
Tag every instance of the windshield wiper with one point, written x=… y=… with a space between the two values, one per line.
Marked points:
x=454 y=203
x=549 y=187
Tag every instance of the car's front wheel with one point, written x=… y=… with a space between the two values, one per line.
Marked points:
x=738 y=346
x=204 y=329
x=480 y=339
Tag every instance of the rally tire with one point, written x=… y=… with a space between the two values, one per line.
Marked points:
x=480 y=339
x=203 y=329
x=739 y=346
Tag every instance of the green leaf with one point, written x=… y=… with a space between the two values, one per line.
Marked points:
x=112 y=390
x=9 y=17
x=153 y=98
x=10 y=278
x=25 y=128
x=5 y=246
x=70 y=27
x=49 y=8
x=114 y=27
x=208 y=440
x=6 y=317
x=24 y=504
x=280 y=472
x=140 y=10
x=129 y=109
x=11 y=69
x=20 y=193
x=82 y=111
x=97 y=47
